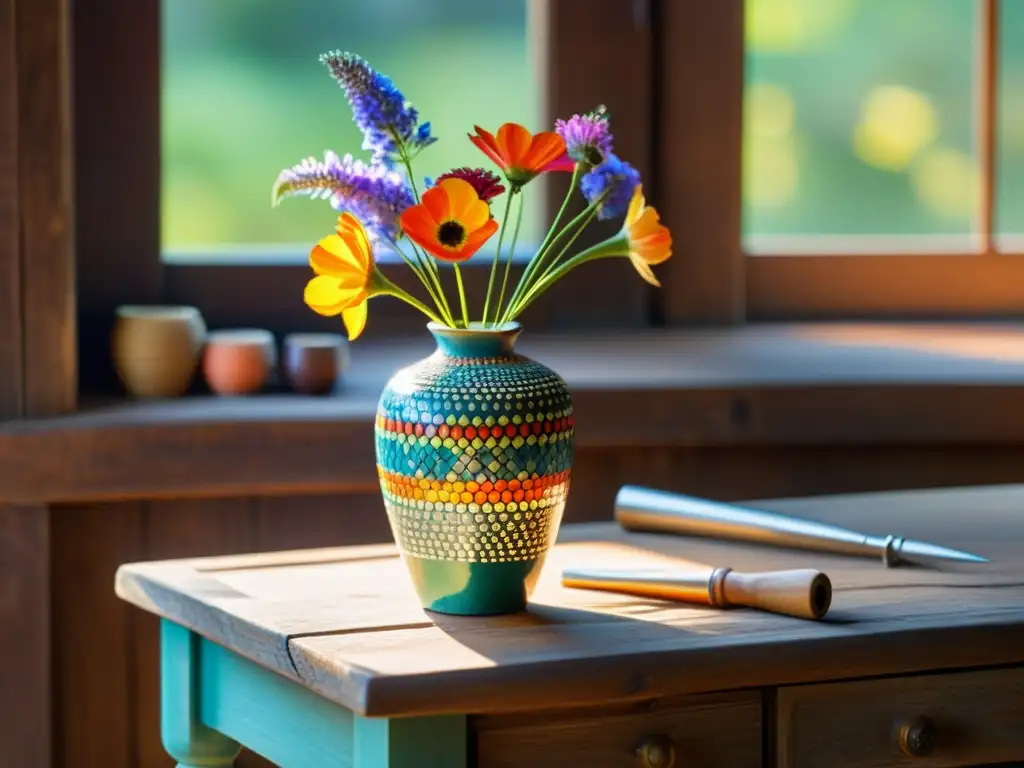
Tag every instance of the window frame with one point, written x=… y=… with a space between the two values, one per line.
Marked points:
x=117 y=143
x=972 y=276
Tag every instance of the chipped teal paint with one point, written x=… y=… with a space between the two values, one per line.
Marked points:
x=474 y=452
x=214 y=700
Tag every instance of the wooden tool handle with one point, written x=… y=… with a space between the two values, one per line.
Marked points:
x=806 y=594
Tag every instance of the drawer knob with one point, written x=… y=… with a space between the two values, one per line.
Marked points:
x=917 y=737
x=657 y=752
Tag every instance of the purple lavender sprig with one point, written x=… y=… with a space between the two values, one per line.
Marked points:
x=588 y=138
x=373 y=194
x=389 y=123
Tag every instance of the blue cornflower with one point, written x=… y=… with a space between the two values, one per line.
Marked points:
x=616 y=180
x=373 y=194
x=379 y=109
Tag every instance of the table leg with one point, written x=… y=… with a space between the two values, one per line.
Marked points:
x=412 y=742
x=186 y=739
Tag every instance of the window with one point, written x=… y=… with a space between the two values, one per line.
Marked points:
x=244 y=96
x=859 y=124
x=922 y=159
x=913 y=105
x=120 y=74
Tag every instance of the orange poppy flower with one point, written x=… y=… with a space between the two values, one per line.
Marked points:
x=522 y=155
x=650 y=241
x=345 y=271
x=452 y=222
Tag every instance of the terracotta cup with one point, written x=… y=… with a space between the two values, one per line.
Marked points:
x=239 y=361
x=313 y=362
x=155 y=349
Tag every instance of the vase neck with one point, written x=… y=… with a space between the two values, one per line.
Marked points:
x=476 y=341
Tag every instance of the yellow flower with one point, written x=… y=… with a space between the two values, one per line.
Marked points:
x=345 y=272
x=649 y=240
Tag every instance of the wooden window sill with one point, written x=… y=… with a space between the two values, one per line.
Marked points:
x=811 y=384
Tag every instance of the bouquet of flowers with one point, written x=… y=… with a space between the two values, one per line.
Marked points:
x=380 y=205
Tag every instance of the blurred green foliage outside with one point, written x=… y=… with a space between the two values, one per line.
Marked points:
x=859 y=114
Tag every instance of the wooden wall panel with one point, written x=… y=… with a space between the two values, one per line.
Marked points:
x=749 y=473
x=93 y=654
x=117 y=170
x=25 y=693
x=176 y=529
x=45 y=207
x=607 y=293
x=698 y=190
x=10 y=266
x=300 y=522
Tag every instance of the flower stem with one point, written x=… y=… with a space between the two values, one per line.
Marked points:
x=526 y=286
x=615 y=246
x=546 y=243
x=425 y=262
x=388 y=288
x=497 y=256
x=508 y=260
x=567 y=246
x=462 y=296
x=408 y=169
x=576 y=173
x=439 y=301
x=424 y=259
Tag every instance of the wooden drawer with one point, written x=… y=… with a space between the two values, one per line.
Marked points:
x=707 y=731
x=969 y=718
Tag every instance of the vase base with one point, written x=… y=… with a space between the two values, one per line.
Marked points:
x=459 y=588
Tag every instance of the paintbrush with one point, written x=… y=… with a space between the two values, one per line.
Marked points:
x=806 y=594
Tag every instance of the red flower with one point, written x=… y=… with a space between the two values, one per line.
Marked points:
x=486 y=183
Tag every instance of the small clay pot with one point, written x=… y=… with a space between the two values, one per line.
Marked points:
x=240 y=361
x=155 y=349
x=313 y=362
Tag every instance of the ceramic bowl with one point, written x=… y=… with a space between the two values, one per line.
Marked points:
x=239 y=361
x=313 y=362
x=155 y=349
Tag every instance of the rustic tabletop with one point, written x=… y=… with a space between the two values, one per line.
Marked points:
x=346 y=623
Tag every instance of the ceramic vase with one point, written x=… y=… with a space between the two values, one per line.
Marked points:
x=156 y=349
x=313 y=362
x=239 y=361
x=474 y=453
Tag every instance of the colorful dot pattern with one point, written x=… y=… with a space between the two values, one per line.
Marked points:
x=474 y=456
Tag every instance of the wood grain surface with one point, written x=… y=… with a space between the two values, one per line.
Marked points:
x=354 y=631
x=700 y=148
x=716 y=731
x=975 y=716
x=94 y=653
x=26 y=698
x=11 y=382
x=45 y=209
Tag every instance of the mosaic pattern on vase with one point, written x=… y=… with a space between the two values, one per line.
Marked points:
x=474 y=457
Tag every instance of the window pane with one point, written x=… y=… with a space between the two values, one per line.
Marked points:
x=245 y=96
x=859 y=118
x=1010 y=143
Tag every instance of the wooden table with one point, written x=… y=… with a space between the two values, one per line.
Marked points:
x=323 y=657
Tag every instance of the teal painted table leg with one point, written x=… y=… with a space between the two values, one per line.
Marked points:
x=417 y=742
x=186 y=739
x=214 y=700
